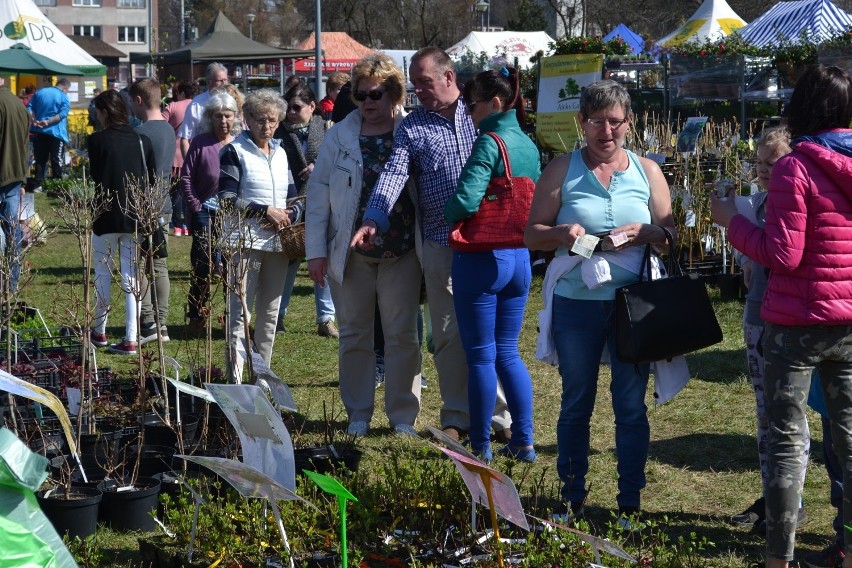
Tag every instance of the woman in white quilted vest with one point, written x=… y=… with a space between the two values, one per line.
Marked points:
x=254 y=185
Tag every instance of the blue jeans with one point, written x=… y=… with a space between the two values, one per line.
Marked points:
x=12 y=233
x=490 y=292
x=581 y=331
x=322 y=294
x=203 y=229
x=180 y=216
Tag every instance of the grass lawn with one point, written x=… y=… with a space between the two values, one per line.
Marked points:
x=703 y=463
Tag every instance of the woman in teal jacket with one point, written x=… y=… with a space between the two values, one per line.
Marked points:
x=490 y=288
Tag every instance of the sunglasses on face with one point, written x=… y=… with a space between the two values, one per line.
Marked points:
x=295 y=108
x=469 y=107
x=361 y=96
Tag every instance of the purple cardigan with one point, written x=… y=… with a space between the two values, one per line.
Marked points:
x=199 y=175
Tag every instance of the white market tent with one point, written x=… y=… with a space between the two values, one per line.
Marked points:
x=713 y=20
x=819 y=19
x=520 y=45
x=26 y=24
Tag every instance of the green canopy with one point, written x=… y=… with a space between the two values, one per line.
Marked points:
x=21 y=59
x=222 y=42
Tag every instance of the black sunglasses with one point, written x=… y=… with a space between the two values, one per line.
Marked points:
x=361 y=96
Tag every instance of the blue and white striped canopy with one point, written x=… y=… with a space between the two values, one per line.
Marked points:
x=786 y=20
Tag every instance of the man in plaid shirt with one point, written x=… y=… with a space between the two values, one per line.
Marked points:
x=432 y=145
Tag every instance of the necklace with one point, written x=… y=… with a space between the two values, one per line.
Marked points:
x=605 y=166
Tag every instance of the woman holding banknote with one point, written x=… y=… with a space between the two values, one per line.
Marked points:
x=605 y=190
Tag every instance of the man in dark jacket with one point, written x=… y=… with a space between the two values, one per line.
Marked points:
x=14 y=151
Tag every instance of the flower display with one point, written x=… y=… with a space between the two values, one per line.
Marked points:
x=589 y=44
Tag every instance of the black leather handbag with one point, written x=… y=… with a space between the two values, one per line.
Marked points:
x=661 y=319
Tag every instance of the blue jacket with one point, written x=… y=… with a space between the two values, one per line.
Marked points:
x=47 y=103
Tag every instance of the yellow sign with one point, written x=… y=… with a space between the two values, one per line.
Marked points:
x=730 y=25
x=562 y=79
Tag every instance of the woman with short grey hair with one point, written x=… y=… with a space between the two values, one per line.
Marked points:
x=602 y=189
x=265 y=101
x=218 y=103
x=255 y=183
x=604 y=95
x=200 y=186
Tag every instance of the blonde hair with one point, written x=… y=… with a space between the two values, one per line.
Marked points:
x=235 y=93
x=777 y=137
x=381 y=67
x=336 y=80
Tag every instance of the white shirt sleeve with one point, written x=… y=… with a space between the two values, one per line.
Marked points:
x=191 y=120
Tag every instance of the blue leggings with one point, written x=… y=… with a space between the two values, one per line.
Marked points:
x=489 y=294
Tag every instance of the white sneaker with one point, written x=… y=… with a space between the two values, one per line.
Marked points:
x=627 y=525
x=357 y=428
x=406 y=430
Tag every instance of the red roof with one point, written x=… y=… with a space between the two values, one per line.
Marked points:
x=337 y=45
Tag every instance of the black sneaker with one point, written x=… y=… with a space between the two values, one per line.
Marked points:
x=147 y=335
x=801 y=519
x=829 y=557
x=753 y=515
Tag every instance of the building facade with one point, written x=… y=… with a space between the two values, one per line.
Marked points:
x=127 y=25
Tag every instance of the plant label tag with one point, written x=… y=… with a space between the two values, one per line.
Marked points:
x=585 y=245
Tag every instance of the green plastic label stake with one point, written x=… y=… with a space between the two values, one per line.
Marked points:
x=333 y=487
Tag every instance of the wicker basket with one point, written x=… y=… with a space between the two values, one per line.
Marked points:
x=293 y=236
x=293 y=240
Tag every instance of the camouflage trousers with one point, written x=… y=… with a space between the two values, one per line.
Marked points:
x=791 y=353
x=753 y=337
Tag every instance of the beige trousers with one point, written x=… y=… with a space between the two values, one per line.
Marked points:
x=261 y=275
x=395 y=284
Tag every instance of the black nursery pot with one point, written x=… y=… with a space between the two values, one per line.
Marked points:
x=731 y=287
x=322 y=460
x=129 y=510
x=92 y=465
x=157 y=433
x=77 y=516
x=105 y=443
x=154 y=459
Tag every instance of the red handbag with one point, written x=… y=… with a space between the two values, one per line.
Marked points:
x=502 y=215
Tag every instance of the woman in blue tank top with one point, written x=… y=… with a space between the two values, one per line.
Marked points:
x=601 y=188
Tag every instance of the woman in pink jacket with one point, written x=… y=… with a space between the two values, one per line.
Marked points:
x=807 y=246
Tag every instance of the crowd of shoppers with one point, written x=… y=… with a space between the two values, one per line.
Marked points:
x=380 y=191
